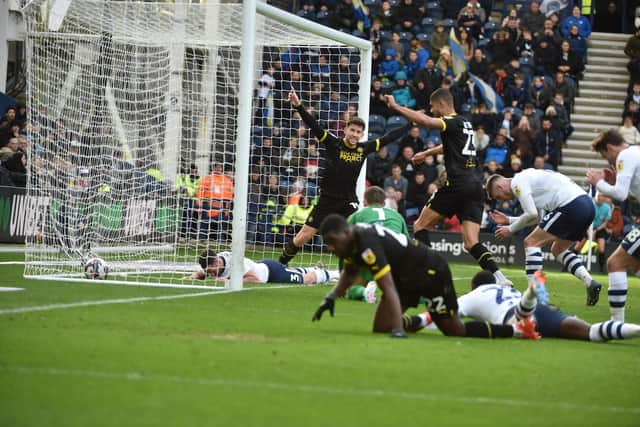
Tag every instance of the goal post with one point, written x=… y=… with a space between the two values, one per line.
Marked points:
x=161 y=130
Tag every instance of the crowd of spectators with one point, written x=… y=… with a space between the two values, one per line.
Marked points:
x=532 y=59
x=13 y=147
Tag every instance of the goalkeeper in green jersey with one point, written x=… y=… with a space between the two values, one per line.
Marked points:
x=374 y=212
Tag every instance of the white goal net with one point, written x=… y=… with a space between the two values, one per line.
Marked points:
x=134 y=134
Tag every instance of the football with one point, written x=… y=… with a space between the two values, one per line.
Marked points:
x=96 y=269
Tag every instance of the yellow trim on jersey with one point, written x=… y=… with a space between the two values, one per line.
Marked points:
x=377 y=144
x=382 y=272
x=324 y=136
x=444 y=125
x=489 y=329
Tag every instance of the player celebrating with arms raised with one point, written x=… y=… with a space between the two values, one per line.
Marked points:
x=612 y=146
x=462 y=193
x=342 y=163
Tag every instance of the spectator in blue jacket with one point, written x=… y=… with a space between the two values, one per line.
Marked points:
x=389 y=66
x=582 y=22
x=497 y=151
x=577 y=42
x=402 y=93
x=412 y=66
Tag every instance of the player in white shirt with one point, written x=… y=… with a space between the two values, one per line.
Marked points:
x=218 y=265
x=568 y=214
x=618 y=183
x=505 y=305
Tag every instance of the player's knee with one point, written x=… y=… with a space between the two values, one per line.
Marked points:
x=615 y=263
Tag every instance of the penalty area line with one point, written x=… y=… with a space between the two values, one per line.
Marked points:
x=128 y=300
x=315 y=389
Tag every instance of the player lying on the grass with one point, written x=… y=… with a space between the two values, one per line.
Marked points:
x=462 y=194
x=503 y=304
x=569 y=213
x=343 y=159
x=626 y=158
x=218 y=266
x=405 y=270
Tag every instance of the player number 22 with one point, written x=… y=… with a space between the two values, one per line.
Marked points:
x=435 y=304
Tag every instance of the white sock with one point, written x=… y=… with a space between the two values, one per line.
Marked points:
x=333 y=274
x=617 y=294
x=527 y=303
x=612 y=330
x=322 y=276
x=575 y=266
x=532 y=261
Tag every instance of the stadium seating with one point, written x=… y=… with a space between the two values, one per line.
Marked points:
x=448 y=23
x=395 y=122
x=385 y=35
x=434 y=10
x=324 y=17
x=422 y=37
x=307 y=14
x=377 y=123
x=405 y=35
x=428 y=24
x=490 y=28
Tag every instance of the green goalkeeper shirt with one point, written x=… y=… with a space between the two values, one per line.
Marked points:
x=379 y=215
x=386 y=217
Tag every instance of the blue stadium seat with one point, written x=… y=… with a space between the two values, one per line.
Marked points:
x=385 y=35
x=465 y=108
x=394 y=3
x=422 y=37
x=547 y=80
x=393 y=149
x=359 y=34
x=307 y=14
x=405 y=35
x=395 y=122
x=377 y=124
x=490 y=28
x=435 y=139
x=424 y=134
x=324 y=17
x=434 y=10
x=388 y=84
x=428 y=24
x=448 y=23
x=372 y=136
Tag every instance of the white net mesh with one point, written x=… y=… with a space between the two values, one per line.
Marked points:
x=133 y=110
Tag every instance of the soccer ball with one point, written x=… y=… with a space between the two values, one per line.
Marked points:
x=96 y=269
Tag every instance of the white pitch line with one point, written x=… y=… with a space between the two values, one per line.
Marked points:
x=125 y=300
x=318 y=389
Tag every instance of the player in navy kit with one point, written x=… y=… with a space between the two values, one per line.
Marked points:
x=462 y=194
x=343 y=160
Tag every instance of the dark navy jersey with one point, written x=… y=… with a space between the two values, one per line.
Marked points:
x=341 y=163
x=460 y=155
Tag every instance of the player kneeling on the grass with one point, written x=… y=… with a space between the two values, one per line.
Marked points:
x=405 y=270
x=569 y=214
x=218 y=265
x=503 y=304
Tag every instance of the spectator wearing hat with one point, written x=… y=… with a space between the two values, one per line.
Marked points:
x=403 y=92
x=438 y=40
x=407 y=15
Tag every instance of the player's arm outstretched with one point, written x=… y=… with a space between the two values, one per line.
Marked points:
x=417 y=117
x=606 y=182
x=307 y=118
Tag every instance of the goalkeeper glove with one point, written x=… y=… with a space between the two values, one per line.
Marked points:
x=327 y=304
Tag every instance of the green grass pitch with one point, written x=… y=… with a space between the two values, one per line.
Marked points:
x=144 y=358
